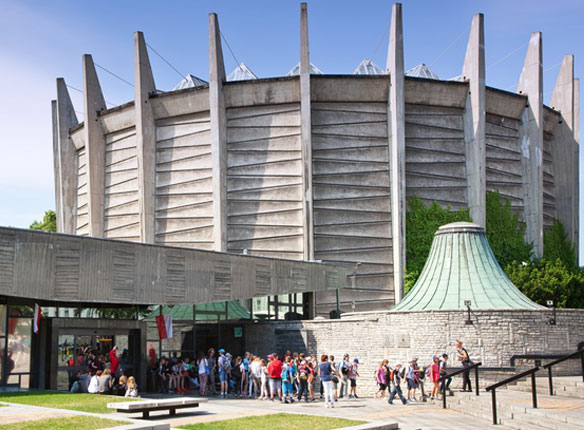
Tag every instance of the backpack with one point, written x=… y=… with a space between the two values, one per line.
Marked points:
x=346 y=368
x=285 y=373
x=303 y=373
x=392 y=374
x=225 y=364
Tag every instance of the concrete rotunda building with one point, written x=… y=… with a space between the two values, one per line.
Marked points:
x=316 y=166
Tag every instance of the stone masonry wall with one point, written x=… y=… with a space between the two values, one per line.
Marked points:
x=493 y=337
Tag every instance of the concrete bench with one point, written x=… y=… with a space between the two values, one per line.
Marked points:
x=148 y=405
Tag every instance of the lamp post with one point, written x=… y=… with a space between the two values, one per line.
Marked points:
x=552 y=320
x=468 y=321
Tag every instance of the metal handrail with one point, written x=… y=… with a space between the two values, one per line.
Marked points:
x=551 y=364
x=536 y=357
x=492 y=388
x=443 y=378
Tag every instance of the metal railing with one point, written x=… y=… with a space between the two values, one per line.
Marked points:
x=443 y=379
x=492 y=388
x=579 y=353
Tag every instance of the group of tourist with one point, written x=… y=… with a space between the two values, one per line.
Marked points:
x=101 y=376
x=390 y=377
x=288 y=378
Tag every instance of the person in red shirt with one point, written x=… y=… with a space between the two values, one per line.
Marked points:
x=275 y=374
x=114 y=361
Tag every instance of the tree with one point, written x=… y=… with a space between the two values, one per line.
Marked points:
x=422 y=221
x=506 y=232
x=49 y=222
x=543 y=280
x=556 y=245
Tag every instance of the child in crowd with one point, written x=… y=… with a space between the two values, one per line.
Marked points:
x=353 y=375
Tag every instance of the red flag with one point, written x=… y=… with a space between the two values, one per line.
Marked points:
x=164 y=325
x=37 y=318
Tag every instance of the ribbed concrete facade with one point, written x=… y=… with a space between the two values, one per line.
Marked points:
x=318 y=166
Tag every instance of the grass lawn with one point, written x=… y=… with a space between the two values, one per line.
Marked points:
x=276 y=421
x=70 y=423
x=95 y=403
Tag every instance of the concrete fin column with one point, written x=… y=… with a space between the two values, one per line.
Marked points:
x=473 y=71
x=145 y=136
x=564 y=149
x=576 y=192
x=65 y=156
x=56 y=166
x=218 y=134
x=306 y=134
x=93 y=104
x=397 y=147
x=531 y=135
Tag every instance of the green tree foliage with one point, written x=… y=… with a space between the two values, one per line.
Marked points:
x=49 y=222
x=557 y=246
x=543 y=280
x=506 y=232
x=422 y=221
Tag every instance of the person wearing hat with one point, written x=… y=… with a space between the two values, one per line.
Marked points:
x=395 y=377
x=353 y=379
x=224 y=365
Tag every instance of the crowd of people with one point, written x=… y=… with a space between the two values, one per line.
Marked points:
x=289 y=378
x=100 y=375
x=296 y=376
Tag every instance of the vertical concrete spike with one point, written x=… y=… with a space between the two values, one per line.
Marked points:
x=145 y=136
x=306 y=134
x=397 y=147
x=531 y=135
x=473 y=71
x=576 y=192
x=66 y=158
x=56 y=166
x=93 y=104
x=564 y=148
x=218 y=133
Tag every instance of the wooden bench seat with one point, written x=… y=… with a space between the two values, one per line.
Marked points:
x=148 y=405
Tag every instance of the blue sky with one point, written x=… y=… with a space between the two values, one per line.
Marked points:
x=40 y=41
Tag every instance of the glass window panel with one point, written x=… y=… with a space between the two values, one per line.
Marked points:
x=19 y=339
x=67 y=312
x=2 y=321
x=283 y=299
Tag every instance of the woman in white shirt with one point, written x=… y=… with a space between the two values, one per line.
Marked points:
x=203 y=373
x=93 y=387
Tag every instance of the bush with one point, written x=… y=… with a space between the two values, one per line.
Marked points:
x=506 y=232
x=544 y=280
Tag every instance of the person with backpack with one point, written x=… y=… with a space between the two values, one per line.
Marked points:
x=237 y=377
x=444 y=375
x=275 y=373
x=353 y=375
x=224 y=365
x=411 y=379
x=302 y=377
x=344 y=373
x=287 y=378
x=395 y=377
x=464 y=358
x=381 y=379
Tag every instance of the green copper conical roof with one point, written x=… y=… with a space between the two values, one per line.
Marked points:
x=461 y=266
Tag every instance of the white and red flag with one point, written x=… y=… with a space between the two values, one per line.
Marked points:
x=164 y=324
x=37 y=318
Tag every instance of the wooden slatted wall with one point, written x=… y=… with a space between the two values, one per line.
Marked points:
x=352 y=219
x=184 y=188
x=549 y=193
x=435 y=155
x=264 y=181
x=82 y=224
x=504 y=160
x=121 y=207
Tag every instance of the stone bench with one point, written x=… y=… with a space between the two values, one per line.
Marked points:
x=148 y=405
